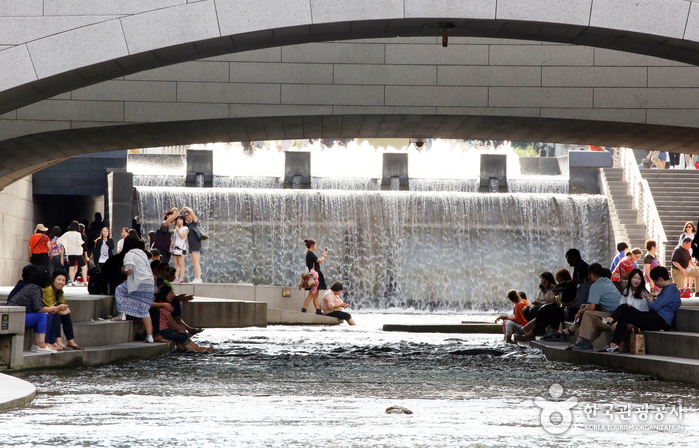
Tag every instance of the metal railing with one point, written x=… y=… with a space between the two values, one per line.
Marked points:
x=643 y=200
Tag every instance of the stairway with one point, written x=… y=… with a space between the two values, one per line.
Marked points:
x=676 y=195
x=670 y=355
x=623 y=215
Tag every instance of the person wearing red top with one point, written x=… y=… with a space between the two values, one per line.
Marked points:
x=38 y=247
x=515 y=322
x=620 y=276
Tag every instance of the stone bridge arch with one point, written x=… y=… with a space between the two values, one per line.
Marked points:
x=64 y=46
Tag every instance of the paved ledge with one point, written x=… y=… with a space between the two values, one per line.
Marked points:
x=663 y=367
x=15 y=392
x=466 y=327
x=96 y=356
x=287 y=317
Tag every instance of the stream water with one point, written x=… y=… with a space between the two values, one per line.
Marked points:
x=298 y=386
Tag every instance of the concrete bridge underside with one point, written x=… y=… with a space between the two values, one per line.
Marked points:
x=83 y=76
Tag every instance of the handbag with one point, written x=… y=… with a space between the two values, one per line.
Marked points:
x=199 y=232
x=177 y=252
x=307 y=281
x=637 y=342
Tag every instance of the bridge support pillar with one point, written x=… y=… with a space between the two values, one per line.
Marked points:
x=120 y=188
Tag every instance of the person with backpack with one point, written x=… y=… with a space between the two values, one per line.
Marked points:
x=38 y=247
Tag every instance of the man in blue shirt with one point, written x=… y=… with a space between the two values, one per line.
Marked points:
x=659 y=317
x=603 y=299
x=621 y=248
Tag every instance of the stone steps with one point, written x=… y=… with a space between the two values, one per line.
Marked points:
x=96 y=356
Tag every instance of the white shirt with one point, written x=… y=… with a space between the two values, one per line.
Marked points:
x=120 y=245
x=104 y=252
x=72 y=242
x=137 y=261
x=181 y=238
x=640 y=304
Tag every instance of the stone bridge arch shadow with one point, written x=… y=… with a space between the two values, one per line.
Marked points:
x=79 y=57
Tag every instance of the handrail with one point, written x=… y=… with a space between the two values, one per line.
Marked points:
x=643 y=200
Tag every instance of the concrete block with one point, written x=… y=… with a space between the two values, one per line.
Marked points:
x=646 y=98
x=331 y=95
x=594 y=76
x=618 y=115
x=77 y=48
x=235 y=291
x=197 y=71
x=167 y=27
x=541 y=166
x=327 y=11
x=297 y=164
x=12 y=319
x=560 y=55
x=106 y=332
x=493 y=167
x=112 y=111
x=583 y=180
x=18 y=30
x=385 y=74
x=491 y=111
x=122 y=7
x=432 y=54
x=21 y=8
x=213 y=313
x=190 y=92
x=436 y=96
x=334 y=53
x=673 y=117
x=237 y=17
x=613 y=58
x=666 y=18
x=183 y=288
x=17 y=67
x=274 y=316
x=673 y=76
x=263 y=55
x=143 y=112
x=282 y=73
x=475 y=9
x=540 y=97
x=16 y=128
x=597 y=159
x=555 y=11
x=383 y=110
x=262 y=110
x=128 y=91
x=395 y=166
x=273 y=297
x=454 y=75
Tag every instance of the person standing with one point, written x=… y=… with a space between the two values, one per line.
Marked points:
x=56 y=251
x=649 y=262
x=194 y=242
x=73 y=243
x=163 y=236
x=180 y=245
x=313 y=265
x=104 y=248
x=682 y=264
x=38 y=247
x=120 y=244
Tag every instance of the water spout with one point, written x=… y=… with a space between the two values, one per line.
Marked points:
x=395 y=183
x=200 y=180
x=494 y=186
x=296 y=182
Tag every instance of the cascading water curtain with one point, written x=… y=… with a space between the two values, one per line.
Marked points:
x=427 y=251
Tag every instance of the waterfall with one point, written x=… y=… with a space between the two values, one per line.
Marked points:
x=426 y=250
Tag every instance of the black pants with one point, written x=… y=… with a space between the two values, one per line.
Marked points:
x=340 y=315
x=40 y=260
x=625 y=314
x=674 y=159
x=551 y=315
x=65 y=320
x=530 y=312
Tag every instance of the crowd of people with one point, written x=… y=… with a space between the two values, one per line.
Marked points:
x=135 y=270
x=594 y=299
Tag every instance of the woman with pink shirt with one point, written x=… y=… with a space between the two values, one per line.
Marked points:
x=332 y=304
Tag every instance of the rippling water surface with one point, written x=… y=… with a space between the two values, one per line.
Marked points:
x=294 y=386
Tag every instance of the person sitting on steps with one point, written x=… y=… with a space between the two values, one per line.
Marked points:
x=660 y=315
